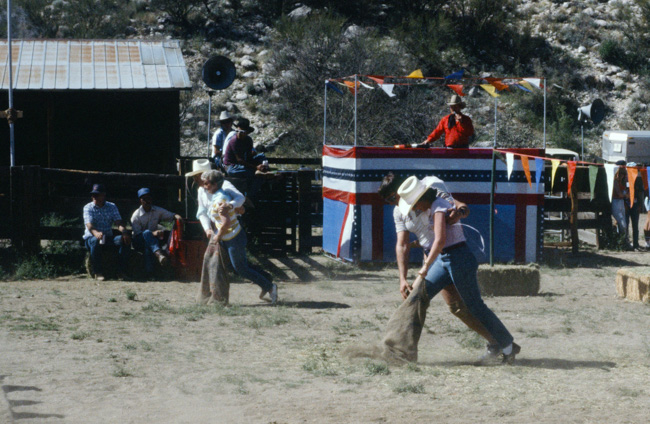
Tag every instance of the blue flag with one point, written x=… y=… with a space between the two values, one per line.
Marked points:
x=456 y=75
x=539 y=167
x=521 y=87
x=333 y=87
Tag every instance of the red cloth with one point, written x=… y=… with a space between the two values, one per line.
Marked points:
x=456 y=136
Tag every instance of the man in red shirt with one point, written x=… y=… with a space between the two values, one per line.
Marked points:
x=457 y=127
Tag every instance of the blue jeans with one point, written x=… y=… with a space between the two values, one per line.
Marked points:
x=147 y=243
x=236 y=249
x=92 y=244
x=458 y=267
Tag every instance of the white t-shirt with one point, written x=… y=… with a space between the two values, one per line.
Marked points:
x=205 y=201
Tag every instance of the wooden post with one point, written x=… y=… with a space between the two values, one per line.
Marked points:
x=304 y=210
x=573 y=221
x=25 y=207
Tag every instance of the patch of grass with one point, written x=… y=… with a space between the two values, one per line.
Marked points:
x=130 y=346
x=34 y=324
x=112 y=300
x=121 y=372
x=406 y=387
x=80 y=335
x=470 y=340
x=321 y=363
x=537 y=334
x=277 y=316
x=628 y=392
x=146 y=346
x=349 y=327
x=376 y=368
x=131 y=295
x=411 y=367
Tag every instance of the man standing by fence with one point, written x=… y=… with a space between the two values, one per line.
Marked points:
x=99 y=217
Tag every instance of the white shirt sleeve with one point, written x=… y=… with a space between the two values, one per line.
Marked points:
x=236 y=196
x=202 y=211
x=400 y=225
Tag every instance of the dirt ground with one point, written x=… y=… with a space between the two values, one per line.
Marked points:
x=78 y=351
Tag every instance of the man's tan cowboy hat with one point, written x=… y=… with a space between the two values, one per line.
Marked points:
x=199 y=166
x=456 y=100
x=409 y=193
x=225 y=116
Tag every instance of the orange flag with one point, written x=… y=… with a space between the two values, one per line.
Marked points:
x=351 y=86
x=379 y=80
x=632 y=173
x=458 y=88
x=497 y=83
x=644 y=175
x=524 y=164
x=571 y=171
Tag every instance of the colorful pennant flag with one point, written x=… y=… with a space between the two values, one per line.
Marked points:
x=333 y=87
x=500 y=156
x=496 y=82
x=527 y=85
x=554 y=164
x=492 y=91
x=388 y=89
x=526 y=166
x=416 y=74
x=456 y=75
x=632 y=173
x=352 y=86
x=363 y=84
x=378 y=79
x=610 y=171
x=521 y=87
x=593 y=176
x=539 y=167
x=458 y=88
x=510 y=163
x=571 y=172
x=537 y=82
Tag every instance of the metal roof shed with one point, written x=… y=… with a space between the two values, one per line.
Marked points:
x=105 y=105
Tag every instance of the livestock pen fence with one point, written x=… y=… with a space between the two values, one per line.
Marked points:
x=285 y=217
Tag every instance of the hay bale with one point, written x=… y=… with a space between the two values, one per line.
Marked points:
x=508 y=280
x=634 y=284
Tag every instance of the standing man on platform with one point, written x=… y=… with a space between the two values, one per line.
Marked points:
x=219 y=138
x=457 y=127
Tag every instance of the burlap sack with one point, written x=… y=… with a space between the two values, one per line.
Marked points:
x=215 y=285
x=400 y=343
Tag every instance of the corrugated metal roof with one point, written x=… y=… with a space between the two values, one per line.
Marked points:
x=94 y=65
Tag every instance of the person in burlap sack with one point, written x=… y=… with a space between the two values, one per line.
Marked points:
x=230 y=239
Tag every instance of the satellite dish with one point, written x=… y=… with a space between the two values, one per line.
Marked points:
x=218 y=72
x=594 y=111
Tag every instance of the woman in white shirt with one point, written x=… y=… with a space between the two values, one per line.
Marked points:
x=450 y=261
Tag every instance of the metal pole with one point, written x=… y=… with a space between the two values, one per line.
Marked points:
x=325 y=115
x=582 y=141
x=544 y=88
x=494 y=167
x=355 y=110
x=210 y=93
x=11 y=87
x=495 y=123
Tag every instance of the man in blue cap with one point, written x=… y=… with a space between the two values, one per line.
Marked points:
x=146 y=235
x=99 y=217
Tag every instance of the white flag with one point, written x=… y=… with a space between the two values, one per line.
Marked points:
x=510 y=162
x=366 y=85
x=610 y=171
x=537 y=82
x=388 y=88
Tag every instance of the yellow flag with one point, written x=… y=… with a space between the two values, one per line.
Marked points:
x=416 y=74
x=492 y=91
x=526 y=84
x=554 y=164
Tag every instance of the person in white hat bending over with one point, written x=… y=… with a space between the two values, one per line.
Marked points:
x=457 y=127
x=450 y=261
x=219 y=137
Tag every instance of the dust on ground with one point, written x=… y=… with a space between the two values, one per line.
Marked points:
x=78 y=351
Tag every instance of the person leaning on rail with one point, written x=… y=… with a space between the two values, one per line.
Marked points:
x=450 y=261
x=404 y=224
x=457 y=127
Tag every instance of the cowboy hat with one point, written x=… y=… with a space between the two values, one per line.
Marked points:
x=409 y=193
x=199 y=166
x=98 y=189
x=225 y=116
x=243 y=124
x=456 y=100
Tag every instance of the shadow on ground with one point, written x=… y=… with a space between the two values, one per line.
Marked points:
x=557 y=258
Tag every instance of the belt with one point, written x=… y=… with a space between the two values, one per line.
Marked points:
x=452 y=247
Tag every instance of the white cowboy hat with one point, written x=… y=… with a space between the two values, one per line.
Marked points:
x=199 y=166
x=409 y=193
x=224 y=116
x=456 y=100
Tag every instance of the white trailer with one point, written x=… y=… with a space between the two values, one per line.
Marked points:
x=631 y=146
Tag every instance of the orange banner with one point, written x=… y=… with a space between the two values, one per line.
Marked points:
x=632 y=173
x=524 y=164
x=571 y=171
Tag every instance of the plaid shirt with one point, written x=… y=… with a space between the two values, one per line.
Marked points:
x=101 y=218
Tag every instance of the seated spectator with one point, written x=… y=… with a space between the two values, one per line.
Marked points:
x=219 y=137
x=147 y=237
x=99 y=217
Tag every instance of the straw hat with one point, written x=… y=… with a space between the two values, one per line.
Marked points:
x=225 y=116
x=456 y=100
x=409 y=193
x=199 y=166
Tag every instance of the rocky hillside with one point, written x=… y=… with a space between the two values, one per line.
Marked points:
x=284 y=51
